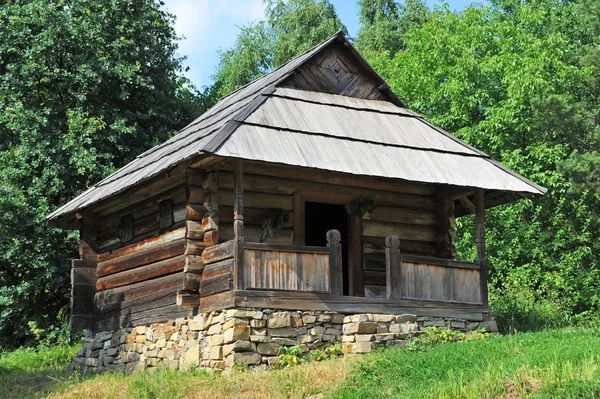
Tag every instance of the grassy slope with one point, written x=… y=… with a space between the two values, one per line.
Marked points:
x=559 y=363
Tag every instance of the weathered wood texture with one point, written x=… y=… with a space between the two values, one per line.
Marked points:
x=83 y=280
x=217 y=276
x=301 y=269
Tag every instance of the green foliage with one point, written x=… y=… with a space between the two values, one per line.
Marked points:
x=519 y=80
x=293 y=355
x=434 y=336
x=272 y=224
x=85 y=86
x=290 y=356
x=360 y=206
x=290 y=28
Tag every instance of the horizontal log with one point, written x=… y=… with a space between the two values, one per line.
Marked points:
x=84 y=263
x=194 y=264
x=150 y=316
x=426 y=260
x=215 y=285
x=258 y=200
x=143 y=257
x=141 y=273
x=217 y=268
x=328 y=177
x=224 y=300
x=402 y=215
x=374 y=244
x=143 y=244
x=194 y=247
x=109 y=242
x=157 y=299
x=82 y=304
x=143 y=210
x=195 y=212
x=254 y=216
x=218 y=252
x=146 y=224
x=194 y=230
x=286 y=248
x=125 y=293
x=195 y=177
x=188 y=299
x=403 y=231
x=253 y=233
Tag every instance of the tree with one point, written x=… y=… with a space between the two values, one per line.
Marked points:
x=85 y=86
x=386 y=22
x=519 y=80
x=290 y=27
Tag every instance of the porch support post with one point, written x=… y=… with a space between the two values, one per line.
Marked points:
x=335 y=262
x=238 y=225
x=355 y=269
x=480 y=240
x=83 y=278
x=393 y=268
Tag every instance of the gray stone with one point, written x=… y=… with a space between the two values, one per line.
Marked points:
x=367 y=327
x=490 y=326
x=286 y=332
x=236 y=333
x=406 y=318
x=279 y=320
x=362 y=347
x=242 y=358
x=238 y=346
x=267 y=349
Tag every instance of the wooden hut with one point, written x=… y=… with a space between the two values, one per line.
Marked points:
x=310 y=189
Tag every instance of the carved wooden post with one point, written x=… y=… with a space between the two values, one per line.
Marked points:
x=238 y=225
x=393 y=267
x=83 y=280
x=336 y=279
x=479 y=220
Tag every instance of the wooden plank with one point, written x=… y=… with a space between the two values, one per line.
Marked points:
x=286 y=248
x=259 y=200
x=218 y=252
x=403 y=231
x=439 y=262
x=191 y=282
x=179 y=212
x=141 y=273
x=197 y=195
x=352 y=305
x=160 y=298
x=224 y=300
x=156 y=315
x=218 y=268
x=146 y=224
x=143 y=257
x=125 y=293
x=215 y=285
x=187 y=299
x=143 y=244
x=211 y=238
x=376 y=244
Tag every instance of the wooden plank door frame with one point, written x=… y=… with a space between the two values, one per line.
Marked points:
x=355 y=233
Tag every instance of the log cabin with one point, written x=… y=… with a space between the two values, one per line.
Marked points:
x=313 y=188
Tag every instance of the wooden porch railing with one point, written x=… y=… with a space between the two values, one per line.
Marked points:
x=425 y=278
x=293 y=268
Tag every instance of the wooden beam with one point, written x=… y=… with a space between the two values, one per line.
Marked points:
x=480 y=239
x=355 y=264
x=335 y=262
x=393 y=268
x=238 y=225
x=299 y=219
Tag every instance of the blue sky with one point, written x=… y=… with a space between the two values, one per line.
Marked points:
x=210 y=25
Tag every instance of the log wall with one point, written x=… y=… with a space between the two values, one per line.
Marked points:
x=141 y=258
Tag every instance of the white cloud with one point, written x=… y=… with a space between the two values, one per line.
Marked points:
x=207 y=26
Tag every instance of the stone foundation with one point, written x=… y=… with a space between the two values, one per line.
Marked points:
x=250 y=337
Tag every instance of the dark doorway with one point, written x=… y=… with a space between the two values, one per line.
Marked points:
x=320 y=218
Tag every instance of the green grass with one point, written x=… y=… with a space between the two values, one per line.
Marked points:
x=549 y=364
x=31 y=373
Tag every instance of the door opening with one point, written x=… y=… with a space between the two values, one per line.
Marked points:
x=320 y=218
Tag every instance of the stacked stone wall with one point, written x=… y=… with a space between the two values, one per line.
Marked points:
x=251 y=337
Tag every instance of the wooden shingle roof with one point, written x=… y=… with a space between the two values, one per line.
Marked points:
x=325 y=109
